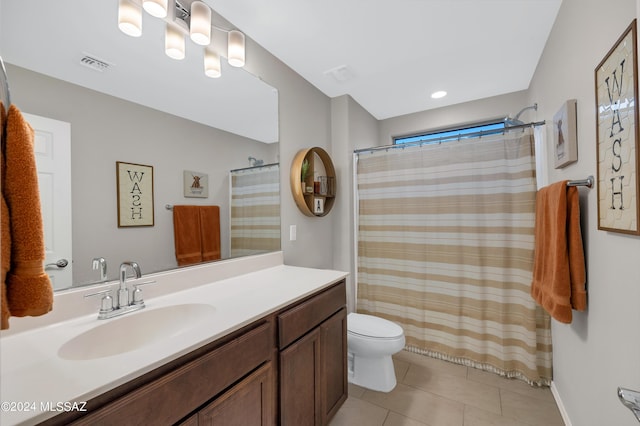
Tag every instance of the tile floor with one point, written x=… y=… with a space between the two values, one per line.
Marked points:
x=438 y=393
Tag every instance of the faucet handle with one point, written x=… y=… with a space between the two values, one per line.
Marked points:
x=137 y=292
x=106 y=304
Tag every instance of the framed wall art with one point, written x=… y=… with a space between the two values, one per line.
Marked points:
x=565 y=130
x=135 y=194
x=616 y=80
x=196 y=184
x=318 y=206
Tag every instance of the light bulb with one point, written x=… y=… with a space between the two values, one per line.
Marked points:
x=174 y=42
x=236 y=48
x=130 y=18
x=200 y=27
x=212 y=64
x=157 y=8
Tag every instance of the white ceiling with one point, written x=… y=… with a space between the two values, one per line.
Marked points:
x=391 y=55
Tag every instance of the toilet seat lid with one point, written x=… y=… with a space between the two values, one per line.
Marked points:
x=368 y=325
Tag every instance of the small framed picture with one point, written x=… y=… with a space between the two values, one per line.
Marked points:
x=196 y=184
x=318 y=206
x=135 y=194
x=565 y=141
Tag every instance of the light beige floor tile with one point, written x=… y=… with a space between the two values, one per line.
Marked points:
x=400 y=368
x=437 y=365
x=477 y=417
x=513 y=385
x=356 y=391
x=419 y=405
x=355 y=412
x=524 y=409
x=395 y=419
x=456 y=388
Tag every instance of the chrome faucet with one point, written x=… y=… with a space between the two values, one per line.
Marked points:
x=631 y=400
x=123 y=292
x=99 y=263
x=109 y=309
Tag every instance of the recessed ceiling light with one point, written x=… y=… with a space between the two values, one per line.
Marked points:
x=439 y=94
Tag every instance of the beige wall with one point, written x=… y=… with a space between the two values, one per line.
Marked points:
x=305 y=121
x=600 y=350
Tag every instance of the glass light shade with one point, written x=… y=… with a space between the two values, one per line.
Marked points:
x=212 y=64
x=130 y=18
x=174 y=42
x=200 y=28
x=236 y=48
x=157 y=8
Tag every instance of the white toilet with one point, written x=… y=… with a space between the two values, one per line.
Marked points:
x=371 y=341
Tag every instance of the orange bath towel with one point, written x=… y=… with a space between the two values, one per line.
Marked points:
x=196 y=231
x=26 y=288
x=559 y=268
x=210 y=232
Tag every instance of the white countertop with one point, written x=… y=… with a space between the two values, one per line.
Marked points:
x=32 y=374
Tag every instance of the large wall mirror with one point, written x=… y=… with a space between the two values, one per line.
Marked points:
x=143 y=108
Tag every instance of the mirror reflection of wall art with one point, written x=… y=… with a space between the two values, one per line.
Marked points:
x=135 y=194
x=196 y=184
x=617 y=137
x=565 y=129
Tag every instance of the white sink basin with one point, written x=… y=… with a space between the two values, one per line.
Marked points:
x=135 y=330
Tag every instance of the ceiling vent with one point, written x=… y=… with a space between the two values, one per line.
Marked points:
x=340 y=74
x=94 y=63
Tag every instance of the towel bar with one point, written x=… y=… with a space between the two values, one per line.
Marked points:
x=588 y=182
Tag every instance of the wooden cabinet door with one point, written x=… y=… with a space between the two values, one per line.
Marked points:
x=249 y=403
x=300 y=382
x=333 y=344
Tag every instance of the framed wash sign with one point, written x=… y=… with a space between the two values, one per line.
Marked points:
x=135 y=194
x=617 y=136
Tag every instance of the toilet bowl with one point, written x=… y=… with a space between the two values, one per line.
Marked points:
x=370 y=343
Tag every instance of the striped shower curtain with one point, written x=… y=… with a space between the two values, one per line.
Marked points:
x=255 y=210
x=445 y=249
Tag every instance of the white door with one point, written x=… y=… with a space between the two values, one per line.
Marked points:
x=52 y=145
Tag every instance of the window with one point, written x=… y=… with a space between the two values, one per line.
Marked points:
x=453 y=134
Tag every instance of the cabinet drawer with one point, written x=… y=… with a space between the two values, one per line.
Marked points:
x=297 y=321
x=172 y=397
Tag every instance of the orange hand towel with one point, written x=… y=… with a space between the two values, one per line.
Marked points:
x=559 y=268
x=210 y=232
x=186 y=232
x=26 y=288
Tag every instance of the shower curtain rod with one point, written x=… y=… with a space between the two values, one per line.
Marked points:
x=262 y=166
x=451 y=138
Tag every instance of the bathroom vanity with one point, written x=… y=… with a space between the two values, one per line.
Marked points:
x=275 y=354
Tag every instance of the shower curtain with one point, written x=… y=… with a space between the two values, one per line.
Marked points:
x=255 y=210
x=445 y=249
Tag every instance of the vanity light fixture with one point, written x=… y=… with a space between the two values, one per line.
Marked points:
x=130 y=18
x=174 y=42
x=157 y=8
x=194 y=21
x=200 y=28
x=235 y=45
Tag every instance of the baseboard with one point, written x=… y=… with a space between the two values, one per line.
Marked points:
x=563 y=411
